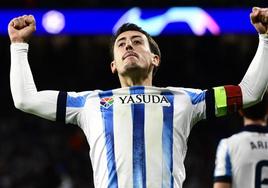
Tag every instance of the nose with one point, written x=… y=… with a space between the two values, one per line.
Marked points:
x=129 y=46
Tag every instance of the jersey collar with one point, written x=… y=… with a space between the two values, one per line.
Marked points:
x=255 y=128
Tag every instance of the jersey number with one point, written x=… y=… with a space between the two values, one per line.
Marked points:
x=258 y=179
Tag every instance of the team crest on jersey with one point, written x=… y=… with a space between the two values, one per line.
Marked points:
x=107 y=102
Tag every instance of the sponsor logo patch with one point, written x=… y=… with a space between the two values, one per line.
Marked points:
x=135 y=99
x=144 y=99
x=106 y=102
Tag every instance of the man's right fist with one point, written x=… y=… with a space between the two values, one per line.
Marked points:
x=21 y=28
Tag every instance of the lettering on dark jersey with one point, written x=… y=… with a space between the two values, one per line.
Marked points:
x=144 y=99
x=259 y=145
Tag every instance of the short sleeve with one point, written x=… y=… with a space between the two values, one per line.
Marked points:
x=223 y=165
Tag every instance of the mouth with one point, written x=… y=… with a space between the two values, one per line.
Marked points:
x=130 y=54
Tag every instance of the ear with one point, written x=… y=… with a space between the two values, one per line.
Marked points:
x=113 y=67
x=156 y=60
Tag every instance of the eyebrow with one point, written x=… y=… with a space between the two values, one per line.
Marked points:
x=132 y=37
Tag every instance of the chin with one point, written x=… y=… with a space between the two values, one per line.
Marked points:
x=133 y=71
x=131 y=65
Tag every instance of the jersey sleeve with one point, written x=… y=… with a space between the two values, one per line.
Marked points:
x=214 y=102
x=223 y=165
x=52 y=105
x=254 y=83
x=198 y=106
x=70 y=106
x=24 y=93
x=227 y=99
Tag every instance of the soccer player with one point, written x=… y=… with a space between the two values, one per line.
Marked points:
x=137 y=133
x=242 y=159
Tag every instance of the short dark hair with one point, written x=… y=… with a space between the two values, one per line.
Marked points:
x=257 y=111
x=133 y=27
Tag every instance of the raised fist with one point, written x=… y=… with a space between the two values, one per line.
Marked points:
x=259 y=18
x=21 y=28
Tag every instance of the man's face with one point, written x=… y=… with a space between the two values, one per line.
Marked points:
x=132 y=54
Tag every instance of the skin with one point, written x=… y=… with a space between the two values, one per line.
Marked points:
x=259 y=19
x=21 y=28
x=222 y=185
x=133 y=59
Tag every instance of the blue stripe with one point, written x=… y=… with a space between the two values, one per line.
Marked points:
x=196 y=97
x=167 y=138
x=139 y=164
x=228 y=165
x=107 y=116
x=76 y=101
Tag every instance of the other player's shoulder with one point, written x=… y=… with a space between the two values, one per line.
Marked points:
x=250 y=130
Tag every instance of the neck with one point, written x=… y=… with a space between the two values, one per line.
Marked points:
x=248 y=122
x=126 y=81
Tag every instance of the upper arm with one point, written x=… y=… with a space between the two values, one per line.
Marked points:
x=55 y=105
x=42 y=103
x=215 y=102
x=70 y=106
x=47 y=104
x=223 y=100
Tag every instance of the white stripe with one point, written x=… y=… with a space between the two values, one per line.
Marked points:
x=95 y=135
x=123 y=142
x=180 y=134
x=153 y=145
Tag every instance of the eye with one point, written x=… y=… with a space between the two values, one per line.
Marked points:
x=137 y=42
x=121 y=44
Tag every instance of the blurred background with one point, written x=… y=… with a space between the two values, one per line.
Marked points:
x=37 y=153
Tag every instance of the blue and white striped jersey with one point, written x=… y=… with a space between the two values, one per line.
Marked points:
x=137 y=135
x=242 y=159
